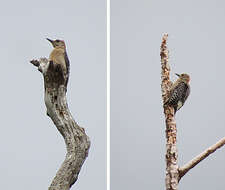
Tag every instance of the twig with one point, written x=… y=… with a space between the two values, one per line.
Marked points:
x=185 y=168
x=77 y=142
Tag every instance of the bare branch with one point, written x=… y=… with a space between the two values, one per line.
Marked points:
x=172 y=174
x=185 y=168
x=77 y=142
x=165 y=72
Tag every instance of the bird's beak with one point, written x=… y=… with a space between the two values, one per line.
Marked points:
x=49 y=40
x=177 y=74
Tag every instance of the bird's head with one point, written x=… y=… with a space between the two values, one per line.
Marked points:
x=184 y=77
x=57 y=43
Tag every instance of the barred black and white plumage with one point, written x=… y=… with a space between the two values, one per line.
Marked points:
x=179 y=92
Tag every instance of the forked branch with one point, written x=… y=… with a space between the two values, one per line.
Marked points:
x=173 y=173
x=77 y=142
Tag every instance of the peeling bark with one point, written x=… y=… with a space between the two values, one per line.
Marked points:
x=77 y=142
x=172 y=174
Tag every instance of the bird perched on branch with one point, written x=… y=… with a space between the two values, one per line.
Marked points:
x=179 y=92
x=59 y=57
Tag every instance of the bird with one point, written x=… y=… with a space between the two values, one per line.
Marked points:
x=179 y=92
x=59 y=57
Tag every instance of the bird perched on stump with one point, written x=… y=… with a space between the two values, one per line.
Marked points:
x=59 y=57
x=179 y=92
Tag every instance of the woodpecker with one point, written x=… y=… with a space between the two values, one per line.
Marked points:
x=59 y=57
x=179 y=92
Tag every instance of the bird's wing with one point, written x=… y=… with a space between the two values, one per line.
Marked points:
x=187 y=91
x=181 y=90
x=67 y=67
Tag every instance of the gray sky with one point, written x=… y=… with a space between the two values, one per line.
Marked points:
x=32 y=149
x=196 y=43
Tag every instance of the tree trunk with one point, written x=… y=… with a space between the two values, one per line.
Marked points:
x=77 y=142
x=172 y=174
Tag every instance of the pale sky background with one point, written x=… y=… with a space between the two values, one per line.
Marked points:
x=32 y=149
x=196 y=43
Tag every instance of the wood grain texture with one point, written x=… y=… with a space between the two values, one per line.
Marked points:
x=76 y=140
